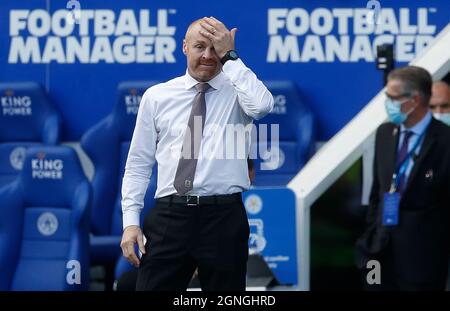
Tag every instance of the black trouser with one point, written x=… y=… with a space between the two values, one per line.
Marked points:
x=180 y=238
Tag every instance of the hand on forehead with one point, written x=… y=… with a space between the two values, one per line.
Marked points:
x=210 y=24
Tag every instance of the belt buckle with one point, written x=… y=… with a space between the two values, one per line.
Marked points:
x=188 y=200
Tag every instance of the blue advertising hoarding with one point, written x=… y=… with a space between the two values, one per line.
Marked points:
x=271 y=218
x=326 y=47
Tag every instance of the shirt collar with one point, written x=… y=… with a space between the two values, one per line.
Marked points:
x=216 y=82
x=420 y=126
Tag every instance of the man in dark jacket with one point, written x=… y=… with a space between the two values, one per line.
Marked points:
x=408 y=220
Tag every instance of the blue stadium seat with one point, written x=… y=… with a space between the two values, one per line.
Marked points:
x=122 y=266
x=44 y=228
x=107 y=144
x=27 y=118
x=297 y=135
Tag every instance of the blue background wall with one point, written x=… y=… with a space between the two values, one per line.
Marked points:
x=85 y=93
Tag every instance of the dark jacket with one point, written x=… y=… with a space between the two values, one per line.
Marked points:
x=419 y=244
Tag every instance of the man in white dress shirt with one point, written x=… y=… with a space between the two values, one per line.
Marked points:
x=199 y=220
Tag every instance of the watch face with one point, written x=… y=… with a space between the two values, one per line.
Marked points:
x=233 y=55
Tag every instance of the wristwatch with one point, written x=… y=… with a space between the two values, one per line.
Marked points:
x=230 y=55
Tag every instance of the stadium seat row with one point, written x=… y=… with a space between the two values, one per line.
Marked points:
x=57 y=221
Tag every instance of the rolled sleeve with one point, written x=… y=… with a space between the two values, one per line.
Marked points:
x=254 y=98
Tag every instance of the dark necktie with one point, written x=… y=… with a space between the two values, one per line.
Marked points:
x=184 y=177
x=401 y=157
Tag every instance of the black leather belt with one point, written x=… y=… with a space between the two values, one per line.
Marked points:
x=194 y=200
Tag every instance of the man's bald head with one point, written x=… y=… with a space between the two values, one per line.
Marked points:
x=202 y=60
x=440 y=98
x=193 y=27
x=441 y=86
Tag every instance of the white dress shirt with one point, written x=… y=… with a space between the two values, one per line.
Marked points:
x=236 y=96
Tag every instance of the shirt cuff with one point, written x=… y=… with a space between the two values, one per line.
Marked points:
x=130 y=218
x=232 y=68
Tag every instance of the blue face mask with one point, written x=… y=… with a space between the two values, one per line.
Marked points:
x=393 y=110
x=444 y=117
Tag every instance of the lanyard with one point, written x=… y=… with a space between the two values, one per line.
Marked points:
x=401 y=168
